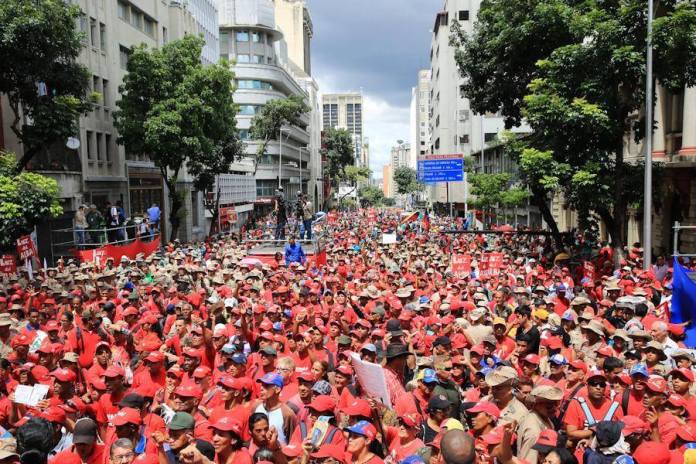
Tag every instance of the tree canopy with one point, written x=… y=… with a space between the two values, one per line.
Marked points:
x=273 y=116
x=576 y=72
x=179 y=113
x=406 y=180
x=25 y=200
x=44 y=84
x=371 y=196
x=338 y=150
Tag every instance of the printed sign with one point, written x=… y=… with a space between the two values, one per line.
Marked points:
x=461 y=265
x=25 y=247
x=8 y=265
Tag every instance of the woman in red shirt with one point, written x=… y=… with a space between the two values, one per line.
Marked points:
x=227 y=441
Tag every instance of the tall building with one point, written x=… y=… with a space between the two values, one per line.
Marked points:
x=100 y=170
x=250 y=39
x=345 y=111
x=388 y=181
x=454 y=128
x=294 y=20
x=420 y=144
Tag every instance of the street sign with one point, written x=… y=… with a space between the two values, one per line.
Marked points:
x=440 y=168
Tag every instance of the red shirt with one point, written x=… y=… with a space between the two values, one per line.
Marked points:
x=97 y=456
x=575 y=415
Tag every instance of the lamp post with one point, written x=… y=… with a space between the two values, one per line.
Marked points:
x=647 y=193
x=280 y=157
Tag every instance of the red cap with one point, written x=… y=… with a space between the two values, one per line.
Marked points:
x=532 y=359
x=176 y=370
x=54 y=414
x=201 y=372
x=228 y=423
x=595 y=373
x=155 y=357
x=267 y=336
x=307 y=376
x=656 y=384
x=358 y=407
x=345 y=370
x=547 y=437
x=193 y=352
x=687 y=432
x=323 y=403
x=652 y=452
x=21 y=340
x=676 y=400
x=477 y=349
x=335 y=452
x=189 y=390
x=686 y=373
x=411 y=419
x=126 y=416
x=230 y=382
x=493 y=437
x=51 y=326
x=553 y=343
x=114 y=371
x=130 y=311
x=64 y=375
x=634 y=424
x=577 y=364
x=293 y=450
x=487 y=407
x=605 y=351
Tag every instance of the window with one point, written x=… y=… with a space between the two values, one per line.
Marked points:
x=437 y=143
x=88 y=146
x=165 y=35
x=108 y=148
x=84 y=27
x=137 y=20
x=252 y=84
x=463 y=115
x=257 y=59
x=102 y=36
x=422 y=133
x=244 y=134
x=266 y=187
x=269 y=59
x=242 y=58
x=194 y=208
x=123 y=54
x=248 y=110
x=255 y=37
x=463 y=15
x=99 y=146
x=437 y=121
x=464 y=138
x=105 y=92
x=490 y=136
x=95 y=84
x=124 y=11
x=150 y=27
x=242 y=36
x=422 y=143
x=93 y=33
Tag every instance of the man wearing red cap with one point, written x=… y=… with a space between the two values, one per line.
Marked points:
x=187 y=397
x=584 y=412
x=152 y=373
x=321 y=406
x=114 y=377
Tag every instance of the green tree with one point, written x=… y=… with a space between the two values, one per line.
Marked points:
x=43 y=82
x=177 y=112
x=352 y=175
x=337 y=147
x=25 y=200
x=576 y=72
x=371 y=196
x=273 y=116
x=406 y=181
x=513 y=198
x=488 y=189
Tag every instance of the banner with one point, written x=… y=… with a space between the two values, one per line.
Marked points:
x=684 y=302
x=589 y=271
x=8 y=265
x=26 y=247
x=490 y=264
x=388 y=239
x=130 y=250
x=461 y=265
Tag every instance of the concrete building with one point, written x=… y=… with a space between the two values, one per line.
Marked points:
x=387 y=181
x=250 y=39
x=345 y=111
x=454 y=128
x=420 y=118
x=100 y=170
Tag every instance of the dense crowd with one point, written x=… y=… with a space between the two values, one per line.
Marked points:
x=193 y=356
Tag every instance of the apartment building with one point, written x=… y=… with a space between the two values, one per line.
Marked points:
x=419 y=123
x=345 y=111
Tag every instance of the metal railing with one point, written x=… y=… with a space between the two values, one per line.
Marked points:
x=678 y=228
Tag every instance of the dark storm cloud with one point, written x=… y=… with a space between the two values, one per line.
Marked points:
x=376 y=44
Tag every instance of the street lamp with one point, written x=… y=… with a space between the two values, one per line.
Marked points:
x=280 y=157
x=647 y=203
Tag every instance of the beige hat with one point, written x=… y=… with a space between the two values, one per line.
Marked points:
x=71 y=357
x=657 y=346
x=500 y=375
x=477 y=314
x=547 y=392
x=8 y=448
x=580 y=301
x=5 y=319
x=621 y=333
x=595 y=326
x=639 y=334
x=676 y=354
x=613 y=286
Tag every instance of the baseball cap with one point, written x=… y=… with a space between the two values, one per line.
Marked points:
x=323 y=404
x=126 y=416
x=268 y=350
x=657 y=384
x=85 y=432
x=132 y=400
x=155 y=356
x=688 y=374
x=8 y=448
x=64 y=375
x=228 y=423
x=181 y=421
x=547 y=439
x=487 y=407
x=634 y=424
x=272 y=378
x=114 y=371
x=412 y=459
x=439 y=402
x=558 y=359
x=652 y=452
x=189 y=390
x=55 y=414
x=358 y=407
x=641 y=369
x=363 y=428
x=429 y=376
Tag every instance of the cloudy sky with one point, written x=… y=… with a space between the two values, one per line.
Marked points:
x=379 y=46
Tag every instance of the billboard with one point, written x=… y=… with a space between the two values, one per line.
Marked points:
x=440 y=168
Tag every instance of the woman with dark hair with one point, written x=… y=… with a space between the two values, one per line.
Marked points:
x=34 y=441
x=560 y=456
x=227 y=441
x=259 y=429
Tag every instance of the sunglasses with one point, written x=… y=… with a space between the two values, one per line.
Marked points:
x=600 y=384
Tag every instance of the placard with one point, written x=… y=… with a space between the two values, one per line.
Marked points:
x=25 y=247
x=388 y=238
x=8 y=265
x=371 y=378
x=461 y=265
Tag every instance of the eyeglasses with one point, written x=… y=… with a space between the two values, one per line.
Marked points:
x=600 y=384
x=123 y=457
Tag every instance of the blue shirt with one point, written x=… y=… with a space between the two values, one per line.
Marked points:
x=294 y=254
x=153 y=213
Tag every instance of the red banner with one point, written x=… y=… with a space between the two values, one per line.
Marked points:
x=130 y=250
x=490 y=264
x=461 y=265
x=8 y=265
x=589 y=271
x=228 y=215
x=25 y=247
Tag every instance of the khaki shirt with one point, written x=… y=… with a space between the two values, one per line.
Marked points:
x=514 y=411
x=527 y=433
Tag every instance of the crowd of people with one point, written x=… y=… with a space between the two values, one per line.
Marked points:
x=192 y=356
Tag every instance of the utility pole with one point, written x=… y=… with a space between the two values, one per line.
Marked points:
x=647 y=202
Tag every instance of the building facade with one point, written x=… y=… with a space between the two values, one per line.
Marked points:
x=100 y=170
x=250 y=40
x=388 y=181
x=345 y=111
x=454 y=128
x=420 y=118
